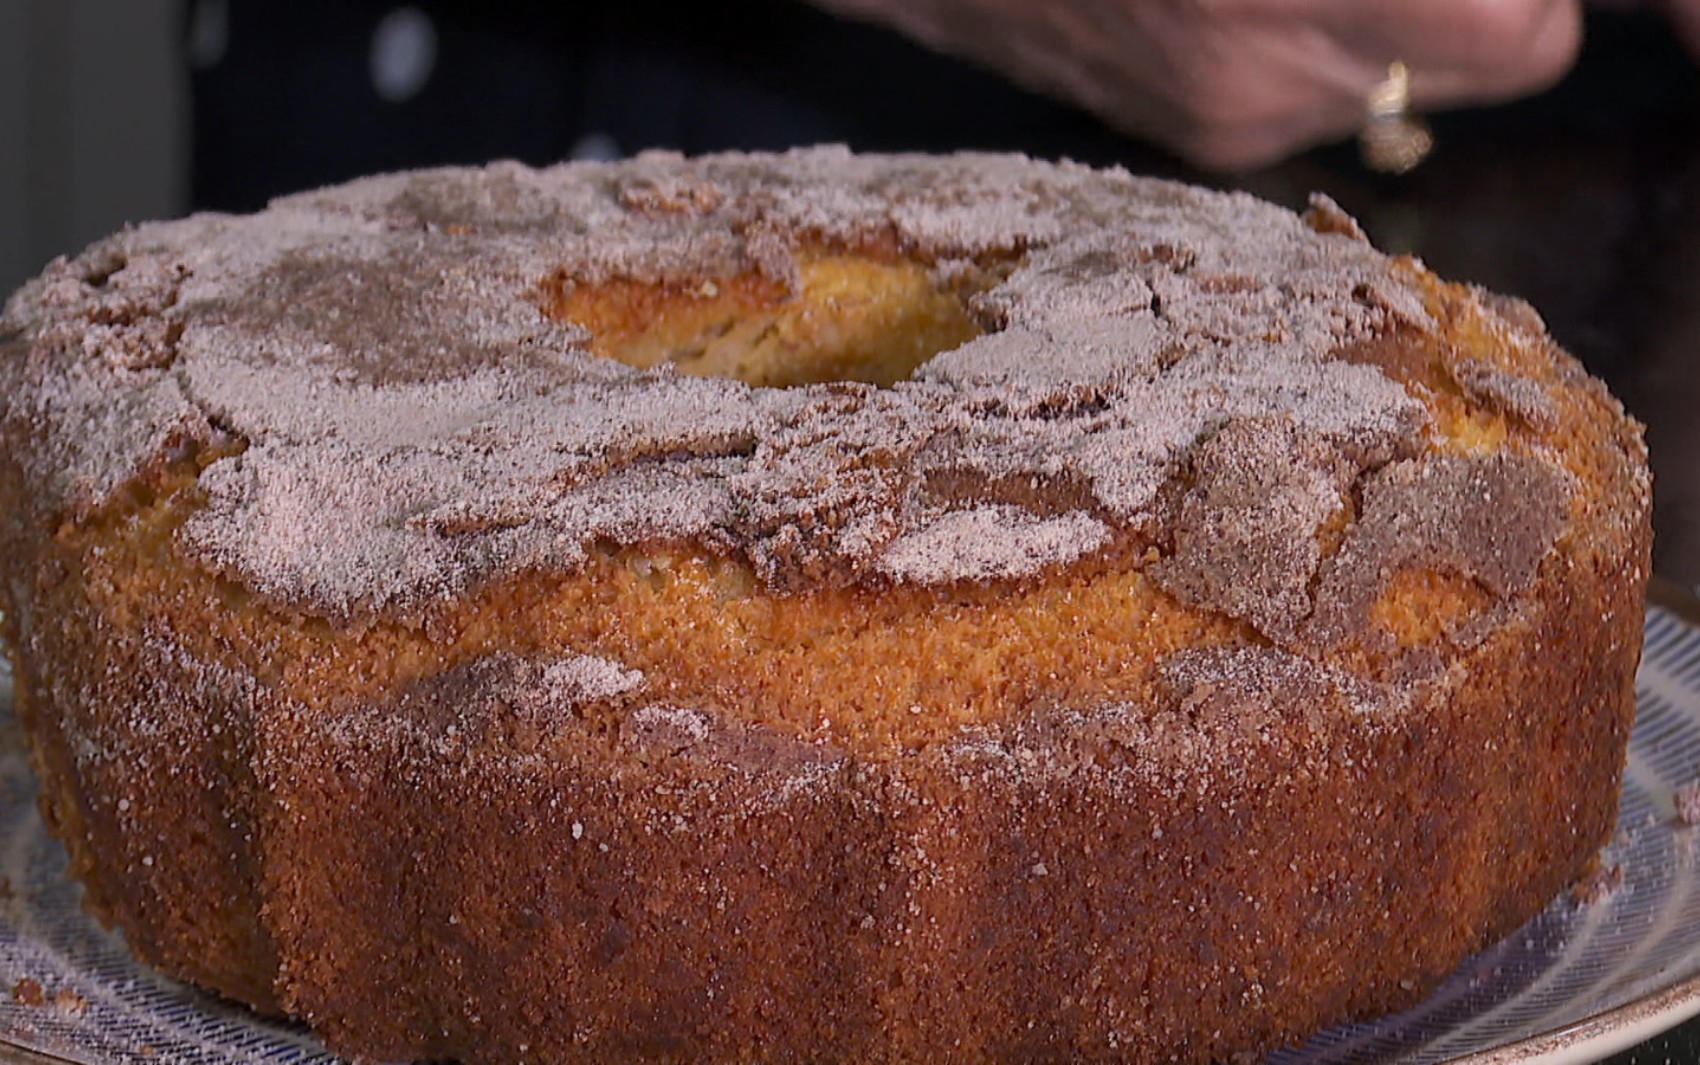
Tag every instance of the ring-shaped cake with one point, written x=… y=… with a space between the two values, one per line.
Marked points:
x=809 y=607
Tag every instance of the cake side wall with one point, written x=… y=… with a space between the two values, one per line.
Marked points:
x=747 y=881
x=144 y=757
x=1049 y=893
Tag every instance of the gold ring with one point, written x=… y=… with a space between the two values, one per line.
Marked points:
x=1393 y=140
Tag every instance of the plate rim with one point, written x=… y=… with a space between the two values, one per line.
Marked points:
x=1592 y=1038
x=1613 y=1030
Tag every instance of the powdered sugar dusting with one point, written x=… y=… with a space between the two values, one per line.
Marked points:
x=589 y=677
x=416 y=425
x=1245 y=537
x=502 y=699
x=1227 y=680
x=677 y=726
x=1516 y=396
x=991 y=542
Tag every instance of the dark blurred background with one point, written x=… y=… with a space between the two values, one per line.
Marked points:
x=93 y=123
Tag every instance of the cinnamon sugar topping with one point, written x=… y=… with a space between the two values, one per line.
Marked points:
x=416 y=425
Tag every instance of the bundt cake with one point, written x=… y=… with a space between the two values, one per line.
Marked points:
x=809 y=607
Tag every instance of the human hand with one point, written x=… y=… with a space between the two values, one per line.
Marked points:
x=1233 y=84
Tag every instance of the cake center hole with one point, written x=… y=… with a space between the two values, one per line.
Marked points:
x=853 y=318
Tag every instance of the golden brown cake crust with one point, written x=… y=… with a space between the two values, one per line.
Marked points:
x=1227 y=639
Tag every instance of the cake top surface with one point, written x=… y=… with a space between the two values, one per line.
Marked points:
x=412 y=423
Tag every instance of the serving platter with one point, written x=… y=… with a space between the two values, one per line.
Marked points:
x=1596 y=972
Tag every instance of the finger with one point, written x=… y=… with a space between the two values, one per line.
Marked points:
x=1532 y=59
x=1314 y=77
x=1463 y=51
x=1253 y=99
